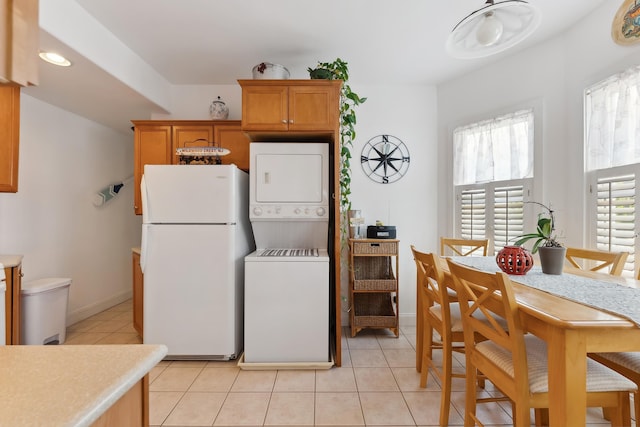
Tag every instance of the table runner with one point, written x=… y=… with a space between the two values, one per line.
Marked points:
x=614 y=298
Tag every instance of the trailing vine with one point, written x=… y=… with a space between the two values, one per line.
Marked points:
x=339 y=70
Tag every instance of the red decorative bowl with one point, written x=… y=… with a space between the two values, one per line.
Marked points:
x=514 y=260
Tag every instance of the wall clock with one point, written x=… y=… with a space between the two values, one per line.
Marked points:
x=385 y=159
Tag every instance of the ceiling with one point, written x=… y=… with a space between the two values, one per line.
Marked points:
x=216 y=42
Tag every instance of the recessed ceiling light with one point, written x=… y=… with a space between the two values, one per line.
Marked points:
x=55 y=59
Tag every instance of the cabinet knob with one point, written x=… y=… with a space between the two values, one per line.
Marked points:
x=284 y=121
x=291 y=121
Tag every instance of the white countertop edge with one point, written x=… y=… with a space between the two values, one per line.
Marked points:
x=105 y=400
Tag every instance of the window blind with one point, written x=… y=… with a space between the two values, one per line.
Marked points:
x=473 y=214
x=616 y=215
x=508 y=217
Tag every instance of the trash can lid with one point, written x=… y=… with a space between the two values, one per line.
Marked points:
x=43 y=285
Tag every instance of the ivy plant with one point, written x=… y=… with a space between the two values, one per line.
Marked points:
x=339 y=70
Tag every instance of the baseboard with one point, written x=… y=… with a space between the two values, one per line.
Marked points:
x=95 y=308
x=408 y=319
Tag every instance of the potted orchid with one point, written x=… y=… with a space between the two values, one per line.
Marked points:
x=551 y=251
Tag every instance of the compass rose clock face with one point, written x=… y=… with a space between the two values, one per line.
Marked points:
x=385 y=159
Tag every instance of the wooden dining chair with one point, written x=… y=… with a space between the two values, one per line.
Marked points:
x=515 y=362
x=595 y=260
x=627 y=364
x=441 y=315
x=463 y=247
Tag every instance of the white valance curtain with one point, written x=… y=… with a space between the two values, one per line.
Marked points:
x=494 y=150
x=613 y=121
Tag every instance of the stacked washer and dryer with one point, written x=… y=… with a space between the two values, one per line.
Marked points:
x=287 y=278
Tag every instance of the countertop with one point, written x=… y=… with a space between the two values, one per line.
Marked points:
x=10 y=260
x=136 y=250
x=68 y=385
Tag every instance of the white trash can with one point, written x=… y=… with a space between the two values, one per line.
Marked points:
x=44 y=311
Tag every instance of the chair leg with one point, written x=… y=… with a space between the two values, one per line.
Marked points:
x=427 y=352
x=521 y=415
x=470 y=396
x=447 y=370
x=636 y=404
x=541 y=417
x=620 y=415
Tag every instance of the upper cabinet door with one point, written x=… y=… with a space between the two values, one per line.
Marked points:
x=19 y=35
x=265 y=108
x=152 y=146
x=191 y=136
x=9 y=137
x=313 y=108
x=231 y=137
x=308 y=106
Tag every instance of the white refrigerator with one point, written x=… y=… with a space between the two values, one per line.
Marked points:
x=195 y=235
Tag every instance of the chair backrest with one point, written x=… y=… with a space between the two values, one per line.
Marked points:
x=485 y=298
x=463 y=247
x=600 y=259
x=431 y=281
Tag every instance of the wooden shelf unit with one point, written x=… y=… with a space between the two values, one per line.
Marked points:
x=373 y=284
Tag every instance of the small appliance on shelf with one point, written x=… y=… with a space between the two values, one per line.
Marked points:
x=381 y=231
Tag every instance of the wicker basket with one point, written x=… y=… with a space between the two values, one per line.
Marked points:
x=374 y=310
x=390 y=248
x=374 y=274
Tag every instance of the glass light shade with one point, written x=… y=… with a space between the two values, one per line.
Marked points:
x=490 y=30
x=493 y=28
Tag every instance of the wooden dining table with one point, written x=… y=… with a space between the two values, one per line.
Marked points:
x=571 y=330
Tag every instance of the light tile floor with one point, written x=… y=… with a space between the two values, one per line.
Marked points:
x=377 y=385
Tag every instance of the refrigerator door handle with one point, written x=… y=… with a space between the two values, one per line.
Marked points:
x=143 y=247
x=145 y=203
x=145 y=226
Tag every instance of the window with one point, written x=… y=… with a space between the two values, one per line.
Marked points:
x=612 y=158
x=493 y=171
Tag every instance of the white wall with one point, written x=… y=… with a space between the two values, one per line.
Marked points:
x=408 y=113
x=553 y=76
x=51 y=220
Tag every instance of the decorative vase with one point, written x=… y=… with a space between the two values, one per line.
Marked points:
x=356 y=224
x=552 y=259
x=219 y=110
x=514 y=260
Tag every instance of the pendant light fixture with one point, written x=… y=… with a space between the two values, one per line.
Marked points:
x=493 y=28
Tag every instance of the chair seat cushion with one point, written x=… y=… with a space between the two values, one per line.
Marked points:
x=456 y=320
x=599 y=377
x=629 y=360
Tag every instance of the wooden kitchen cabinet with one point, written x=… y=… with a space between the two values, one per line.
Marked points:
x=373 y=284
x=152 y=146
x=190 y=136
x=156 y=141
x=9 y=137
x=19 y=42
x=290 y=105
x=13 y=273
x=232 y=137
x=138 y=293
